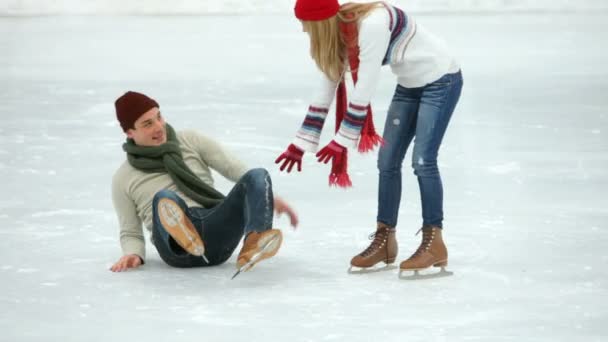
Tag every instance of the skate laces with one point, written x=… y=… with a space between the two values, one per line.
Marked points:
x=378 y=237
x=427 y=239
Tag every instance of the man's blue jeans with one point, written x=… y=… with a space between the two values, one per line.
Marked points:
x=248 y=207
x=423 y=113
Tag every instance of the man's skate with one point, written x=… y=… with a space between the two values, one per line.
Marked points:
x=431 y=252
x=382 y=249
x=181 y=229
x=258 y=247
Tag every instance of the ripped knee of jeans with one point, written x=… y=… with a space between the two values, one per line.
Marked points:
x=423 y=167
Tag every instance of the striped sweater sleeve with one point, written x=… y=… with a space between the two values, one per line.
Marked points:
x=374 y=38
x=308 y=136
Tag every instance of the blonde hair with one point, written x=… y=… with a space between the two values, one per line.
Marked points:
x=327 y=46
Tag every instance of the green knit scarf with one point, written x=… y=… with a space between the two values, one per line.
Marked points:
x=168 y=158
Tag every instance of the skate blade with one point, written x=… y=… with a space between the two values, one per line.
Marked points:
x=416 y=275
x=270 y=247
x=365 y=270
x=180 y=228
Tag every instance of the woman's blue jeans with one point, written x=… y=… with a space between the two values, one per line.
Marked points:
x=423 y=113
x=248 y=207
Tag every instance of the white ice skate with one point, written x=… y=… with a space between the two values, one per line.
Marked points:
x=181 y=229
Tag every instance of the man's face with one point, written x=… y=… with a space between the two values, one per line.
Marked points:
x=149 y=129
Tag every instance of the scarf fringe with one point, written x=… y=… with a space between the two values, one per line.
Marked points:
x=341 y=180
x=339 y=175
x=368 y=142
x=369 y=138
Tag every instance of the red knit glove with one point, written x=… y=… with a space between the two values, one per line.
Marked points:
x=293 y=155
x=333 y=150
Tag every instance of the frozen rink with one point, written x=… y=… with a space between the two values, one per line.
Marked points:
x=524 y=167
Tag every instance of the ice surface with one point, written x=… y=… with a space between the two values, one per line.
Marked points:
x=523 y=163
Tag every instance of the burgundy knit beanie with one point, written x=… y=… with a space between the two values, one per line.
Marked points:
x=316 y=9
x=130 y=106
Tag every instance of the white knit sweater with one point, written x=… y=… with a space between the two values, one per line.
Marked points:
x=417 y=58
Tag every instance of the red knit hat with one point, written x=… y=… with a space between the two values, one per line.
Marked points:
x=316 y=9
x=130 y=106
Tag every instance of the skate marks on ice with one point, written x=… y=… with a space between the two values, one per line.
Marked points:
x=365 y=270
x=416 y=275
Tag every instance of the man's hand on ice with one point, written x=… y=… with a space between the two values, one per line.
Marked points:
x=126 y=262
